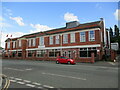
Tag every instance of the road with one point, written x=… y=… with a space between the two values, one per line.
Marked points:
x=45 y=74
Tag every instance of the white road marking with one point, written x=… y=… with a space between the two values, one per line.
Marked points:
x=13 y=80
x=28 y=69
x=14 y=69
x=27 y=81
x=20 y=82
x=112 y=63
x=48 y=86
x=11 y=77
x=30 y=85
x=17 y=78
x=64 y=76
x=40 y=87
x=36 y=83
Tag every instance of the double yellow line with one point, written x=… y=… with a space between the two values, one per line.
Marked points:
x=7 y=82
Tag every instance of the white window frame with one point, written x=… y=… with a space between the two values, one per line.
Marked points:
x=57 y=39
x=34 y=42
x=92 y=36
x=82 y=37
x=20 y=43
x=65 y=38
x=51 y=40
x=72 y=37
x=41 y=41
x=13 y=44
x=29 y=40
x=8 y=44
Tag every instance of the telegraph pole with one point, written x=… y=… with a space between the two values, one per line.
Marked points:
x=0 y=37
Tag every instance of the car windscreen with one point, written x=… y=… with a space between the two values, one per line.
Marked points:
x=63 y=57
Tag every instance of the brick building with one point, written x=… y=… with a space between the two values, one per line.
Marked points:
x=78 y=41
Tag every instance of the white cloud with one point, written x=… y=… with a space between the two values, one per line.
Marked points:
x=117 y=14
x=70 y=17
x=39 y=28
x=3 y=25
x=14 y=35
x=19 y=20
x=1 y=18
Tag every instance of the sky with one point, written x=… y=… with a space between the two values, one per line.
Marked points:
x=19 y=18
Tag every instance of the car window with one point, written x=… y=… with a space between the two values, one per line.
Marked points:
x=63 y=57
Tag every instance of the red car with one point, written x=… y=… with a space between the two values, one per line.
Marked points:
x=63 y=59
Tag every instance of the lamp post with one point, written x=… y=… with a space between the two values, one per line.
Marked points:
x=61 y=43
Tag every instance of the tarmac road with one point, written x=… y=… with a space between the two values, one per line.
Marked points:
x=46 y=74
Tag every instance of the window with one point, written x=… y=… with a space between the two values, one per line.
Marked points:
x=13 y=44
x=29 y=42
x=41 y=53
x=41 y=41
x=57 y=39
x=54 y=52
x=34 y=42
x=65 y=38
x=19 y=53
x=8 y=44
x=82 y=37
x=19 y=43
x=72 y=37
x=91 y=36
x=51 y=40
x=86 y=52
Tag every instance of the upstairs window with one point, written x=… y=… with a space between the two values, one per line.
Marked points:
x=51 y=40
x=57 y=39
x=8 y=44
x=72 y=37
x=41 y=42
x=19 y=43
x=29 y=42
x=13 y=44
x=91 y=36
x=34 y=42
x=65 y=38
x=82 y=37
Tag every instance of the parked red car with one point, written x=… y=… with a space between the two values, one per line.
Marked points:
x=63 y=59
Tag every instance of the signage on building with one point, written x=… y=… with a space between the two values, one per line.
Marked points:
x=114 y=46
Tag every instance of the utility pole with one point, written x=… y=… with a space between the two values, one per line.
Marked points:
x=0 y=37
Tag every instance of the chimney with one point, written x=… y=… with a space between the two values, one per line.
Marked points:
x=101 y=19
x=72 y=24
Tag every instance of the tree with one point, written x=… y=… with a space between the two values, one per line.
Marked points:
x=111 y=32
x=116 y=30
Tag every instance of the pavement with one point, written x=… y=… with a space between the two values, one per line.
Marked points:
x=47 y=74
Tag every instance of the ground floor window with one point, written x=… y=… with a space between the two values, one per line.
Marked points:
x=54 y=52
x=19 y=53
x=41 y=53
x=14 y=53
x=30 y=53
x=86 y=52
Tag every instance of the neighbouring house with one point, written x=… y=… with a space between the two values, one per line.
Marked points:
x=82 y=42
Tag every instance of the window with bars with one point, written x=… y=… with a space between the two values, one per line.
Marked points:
x=41 y=42
x=82 y=37
x=65 y=38
x=72 y=37
x=91 y=36
x=51 y=40
x=57 y=39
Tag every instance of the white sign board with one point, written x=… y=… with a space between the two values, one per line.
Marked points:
x=114 y=46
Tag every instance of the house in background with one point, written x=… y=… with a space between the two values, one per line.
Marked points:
x=82 y=42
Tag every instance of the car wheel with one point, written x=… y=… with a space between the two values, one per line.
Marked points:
x=57 y=62
x=69 y=63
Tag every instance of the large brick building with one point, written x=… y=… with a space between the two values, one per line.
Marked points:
x=76 y=41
